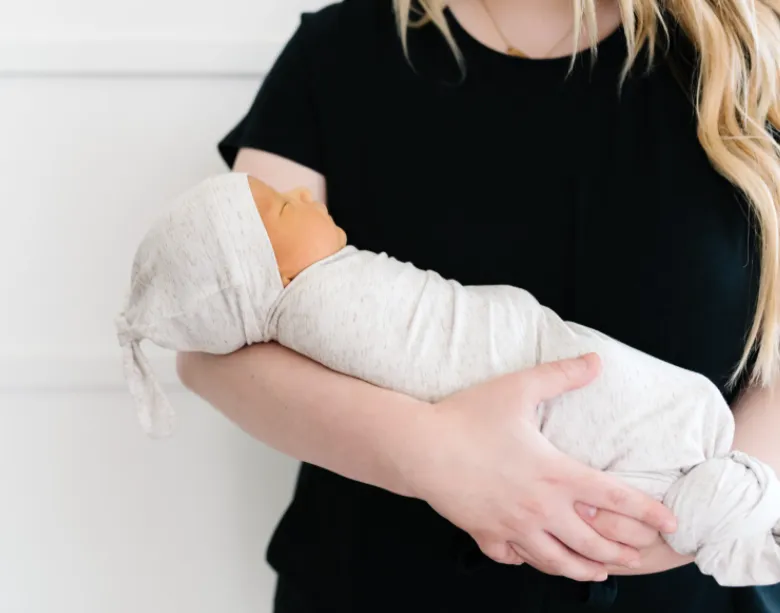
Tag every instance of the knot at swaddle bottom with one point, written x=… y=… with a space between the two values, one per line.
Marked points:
x=728 y=511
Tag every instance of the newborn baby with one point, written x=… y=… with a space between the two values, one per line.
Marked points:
x=233 y=263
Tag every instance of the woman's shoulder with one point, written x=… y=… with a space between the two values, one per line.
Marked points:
x=315 y=85
x=345 y=46
x=347 y=22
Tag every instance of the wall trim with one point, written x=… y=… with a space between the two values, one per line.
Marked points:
x=77 y=373
x=137 y=56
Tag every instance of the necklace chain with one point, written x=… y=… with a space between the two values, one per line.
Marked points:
x=510 y=48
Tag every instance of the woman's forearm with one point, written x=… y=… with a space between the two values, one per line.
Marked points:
x=311 y=413
x=757 y=417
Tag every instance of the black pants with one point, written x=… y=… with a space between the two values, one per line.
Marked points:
x=291 y=597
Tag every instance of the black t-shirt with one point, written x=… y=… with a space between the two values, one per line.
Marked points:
x=598 y=200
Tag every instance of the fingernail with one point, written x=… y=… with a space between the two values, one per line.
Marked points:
x=591 y=511
x=601 y=577
x=670 y=526
x=634 y=564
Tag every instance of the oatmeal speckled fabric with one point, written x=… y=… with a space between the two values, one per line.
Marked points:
x=205 y=279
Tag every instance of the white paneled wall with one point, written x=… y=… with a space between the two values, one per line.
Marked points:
x=107 y=110
x=96 y=519
x=180 y=19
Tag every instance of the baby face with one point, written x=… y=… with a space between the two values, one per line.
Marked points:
x=301 y=230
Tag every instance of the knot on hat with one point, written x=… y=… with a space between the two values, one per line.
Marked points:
x=204 y=278
x=123 y=331
x=155 y=413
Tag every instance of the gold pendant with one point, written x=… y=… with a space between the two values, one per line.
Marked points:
x=515 y=52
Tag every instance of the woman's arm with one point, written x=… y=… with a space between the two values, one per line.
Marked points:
x=452 y=454
x=310 y=413
x=757 y=416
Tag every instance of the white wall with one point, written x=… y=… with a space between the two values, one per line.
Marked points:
x=106 y=111
x=226 y=19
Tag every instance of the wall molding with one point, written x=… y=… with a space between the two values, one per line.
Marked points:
x=136 y=56
x=77 y=373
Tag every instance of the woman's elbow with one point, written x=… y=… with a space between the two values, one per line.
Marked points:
x=188 y=364
x=205 y=373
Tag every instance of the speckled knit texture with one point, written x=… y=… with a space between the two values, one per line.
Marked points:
x=208 y=281
x=203 y=279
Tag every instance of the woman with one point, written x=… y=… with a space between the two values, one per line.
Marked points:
x=480 y=139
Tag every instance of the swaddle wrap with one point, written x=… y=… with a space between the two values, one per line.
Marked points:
x=203 y=279
x=663 y=429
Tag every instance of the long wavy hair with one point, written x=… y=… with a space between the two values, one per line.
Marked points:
x=737 y=98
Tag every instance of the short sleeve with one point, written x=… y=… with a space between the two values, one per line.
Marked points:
x=283 y=117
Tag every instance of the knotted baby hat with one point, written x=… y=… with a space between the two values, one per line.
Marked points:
x=204 y=278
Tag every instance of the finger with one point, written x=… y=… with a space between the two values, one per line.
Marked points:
x=660 y=557
x=581 y=538
x=617 y=527
x=552 y=379
x=604 y=491
x=518 y=554
x=501 y=552
x=521 y=553
x=550 y=556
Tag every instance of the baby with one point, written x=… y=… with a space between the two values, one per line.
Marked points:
x=233 y=262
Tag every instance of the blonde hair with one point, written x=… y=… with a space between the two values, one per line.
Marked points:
x=737 y=97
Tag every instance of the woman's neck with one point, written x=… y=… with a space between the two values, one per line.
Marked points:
x=538 y=28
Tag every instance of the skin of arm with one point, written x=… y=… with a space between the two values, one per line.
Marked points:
x=757 y=415
x=253 y=386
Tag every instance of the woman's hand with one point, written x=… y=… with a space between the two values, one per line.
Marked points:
x=655 y=553
x=482 y=463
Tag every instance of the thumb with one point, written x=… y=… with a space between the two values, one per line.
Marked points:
x=549 y=380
